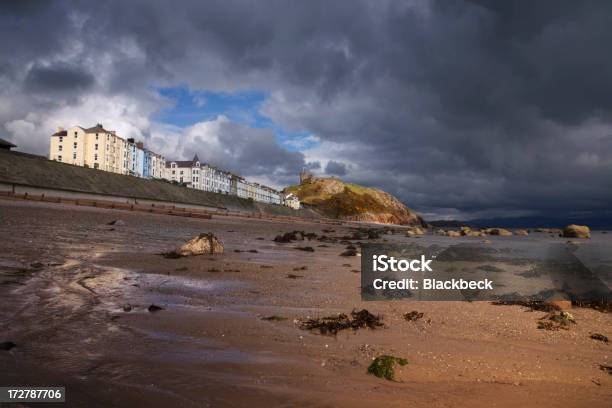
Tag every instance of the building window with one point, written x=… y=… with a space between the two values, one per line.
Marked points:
x=96 y=147
x=59 y=157
x=75 y=145
x=95 y=157
x=96 y=136
x=59 y=148
x=75 y=134
x=74 y=156
x=96 y=165
x=61 y=139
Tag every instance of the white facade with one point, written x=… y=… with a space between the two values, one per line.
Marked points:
x=200 y=176
x=203 y=176
x=292 y=201
x=266 y=194
x=242 y=188
x=215 y=180
x=184 y=172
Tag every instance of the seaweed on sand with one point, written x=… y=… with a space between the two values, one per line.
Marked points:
x=171 y=255
x=274 y=318
x=413 y=316
x=295 y=236
x=384 y=366
x=333 y=324
x=606 y=368
x=538 y=305
x=305 y=248
x=599 y=337
x=553 y=321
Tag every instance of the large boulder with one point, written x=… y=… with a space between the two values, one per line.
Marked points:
x=576 y=231
x=468 y=232
x=202 y=244
x=451 y=233
x=521 y=232
x=499 y=231
x=415 y=231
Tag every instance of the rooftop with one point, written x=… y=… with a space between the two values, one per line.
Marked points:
x=5 y=144
x=180 y=163
x=97 y=129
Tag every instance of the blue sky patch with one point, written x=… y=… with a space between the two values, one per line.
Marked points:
x=242 y=107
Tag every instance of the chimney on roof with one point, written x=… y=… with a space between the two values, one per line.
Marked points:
x=131 y=140
x=99 y=125
x=60 y=129
x=140 y=145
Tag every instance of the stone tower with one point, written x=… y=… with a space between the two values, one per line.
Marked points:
x=305 y=177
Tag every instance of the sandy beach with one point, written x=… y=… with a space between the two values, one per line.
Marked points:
x=75 y=293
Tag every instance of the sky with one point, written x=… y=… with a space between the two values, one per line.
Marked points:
x=461 y=109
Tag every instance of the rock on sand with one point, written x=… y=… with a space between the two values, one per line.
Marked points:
x=202 y=244
x=576 y=231
x=499 y=231
x=411 y=232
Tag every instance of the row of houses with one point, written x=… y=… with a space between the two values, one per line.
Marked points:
x=202 y=176
x=103 y=149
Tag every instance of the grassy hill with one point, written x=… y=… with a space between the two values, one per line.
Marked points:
x=336 y=199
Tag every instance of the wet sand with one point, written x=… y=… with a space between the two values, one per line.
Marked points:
x=80 y=320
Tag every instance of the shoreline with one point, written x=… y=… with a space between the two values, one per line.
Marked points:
x=209 y=344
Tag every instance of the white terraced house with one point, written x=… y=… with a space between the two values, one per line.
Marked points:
x=215 y=180
x=291 y=200
x=203 y=176
x=185 y=172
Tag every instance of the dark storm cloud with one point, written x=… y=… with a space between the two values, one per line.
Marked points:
x=457 y=107
x=335 y=168
x=57 y=78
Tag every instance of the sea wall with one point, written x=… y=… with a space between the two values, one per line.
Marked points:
x=24 y=173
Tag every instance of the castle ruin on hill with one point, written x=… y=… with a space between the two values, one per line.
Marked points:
x=306 y=177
